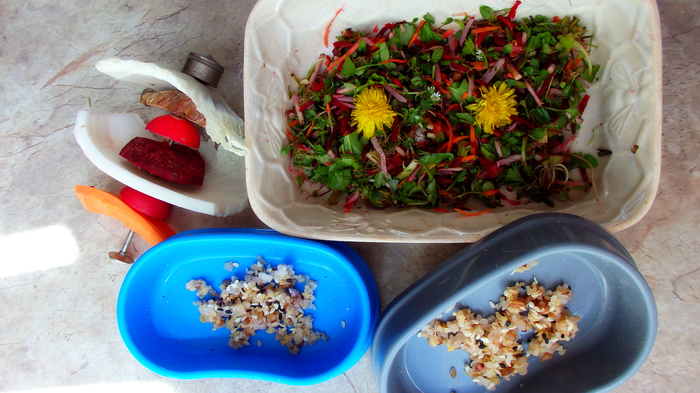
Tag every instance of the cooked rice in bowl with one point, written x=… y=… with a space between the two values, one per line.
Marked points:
x=264 y=300
x=495 y=343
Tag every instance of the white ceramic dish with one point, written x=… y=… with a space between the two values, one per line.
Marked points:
x=102 y=136
x=284 y=37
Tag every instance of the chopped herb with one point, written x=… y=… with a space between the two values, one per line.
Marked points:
x=463 y=117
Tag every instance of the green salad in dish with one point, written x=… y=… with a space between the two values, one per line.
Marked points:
x=434 y=115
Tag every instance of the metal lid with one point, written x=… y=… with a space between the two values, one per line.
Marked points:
x=204 y=68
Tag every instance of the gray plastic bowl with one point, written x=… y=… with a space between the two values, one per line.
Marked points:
x=617 y=310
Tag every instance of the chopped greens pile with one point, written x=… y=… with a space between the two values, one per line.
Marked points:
x=482 y=110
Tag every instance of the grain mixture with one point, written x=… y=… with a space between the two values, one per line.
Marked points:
x=264 y=300
x=494 y=344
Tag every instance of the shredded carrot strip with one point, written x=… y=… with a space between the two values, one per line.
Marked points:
x=310 y=128
x=393 y=61
x=441 y=210
x=483 y=29
x=447 y=34
x=466 y=93
x=470 y=157
x=293 y=122
x=438 y=129
x=342 y=58
x=328 y=28
x=289 y=133
x=478 y=65
x=568 y=67
x=470 y=214
x=472 y=140
x=490 y=192
x=415 y=34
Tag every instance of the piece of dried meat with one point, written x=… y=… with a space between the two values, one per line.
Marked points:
x=175 y=102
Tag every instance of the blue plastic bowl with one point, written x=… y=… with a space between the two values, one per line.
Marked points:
x=160 y=326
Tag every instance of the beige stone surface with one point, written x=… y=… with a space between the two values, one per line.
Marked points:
x=58 y=289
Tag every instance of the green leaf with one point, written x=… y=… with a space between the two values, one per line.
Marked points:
x=457 y=90
x=435 y=158
x=488 y=151
x=348 y=67
x=431 y=190
x=486 y=12
x=285 y=150
x=589 y=74
x=437 y=55
x=469 y=46
x=507 y=49
x=383 y=51
x=577 y=162
x=513 y=175
x=379 y=180
x=429 y=18
x=465 y=117
x=541 y=115
x=339 y=180
x=405 y=36
x=351 y=143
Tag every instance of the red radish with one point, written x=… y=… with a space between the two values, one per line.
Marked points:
x=175 y=128
x=145 y=204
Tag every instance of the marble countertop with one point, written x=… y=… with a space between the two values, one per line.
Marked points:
x=58 y=329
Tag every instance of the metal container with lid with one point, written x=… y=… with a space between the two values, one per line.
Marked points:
x=204 y=68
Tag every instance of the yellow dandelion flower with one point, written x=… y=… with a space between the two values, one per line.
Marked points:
x=494 y=108
x=372 y=111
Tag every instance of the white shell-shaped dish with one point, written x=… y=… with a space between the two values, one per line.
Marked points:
x=285 y=37
x=102 y=136
x=223 y=124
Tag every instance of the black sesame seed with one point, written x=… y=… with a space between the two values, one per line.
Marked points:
x=563 y=336
x=503 y=365
x=482 y=346
x=229 y=312
x=507 y=323
x=546 y=340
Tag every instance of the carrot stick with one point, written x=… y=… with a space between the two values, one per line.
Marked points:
x=393 y=61
x=310 y=128
x=490 y=192
x=342 y=58
x=328 y=28
x=472 y=140
x=447 y=34
x=470 y=157
x=289 y=133
x=441 y=210
x=484 y=29
x=415 y=34
x=470 y=214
